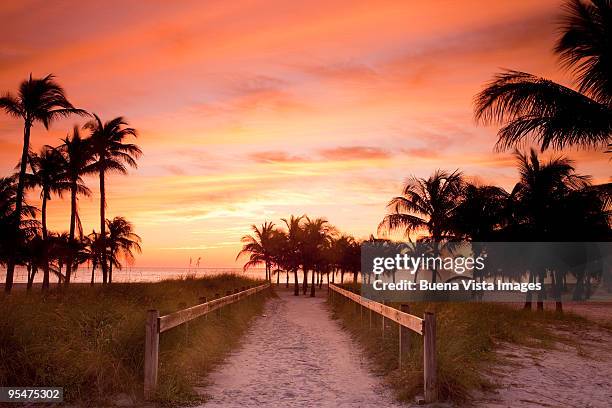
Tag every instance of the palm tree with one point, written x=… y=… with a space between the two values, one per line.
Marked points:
x=316 y=236
x=47 y=174
x=60 y=253
x=111 y=155
x=555 y=115
x=11 y=245
x=341 y=248
x=426 y=205
x=541 y=187
x=93 y=244
x=481 y=212
x=121 y=243
x=77 y=162
x=292 y=261
x=38 y=100
x=259 y=246
x=536 y=198
x=279 y=253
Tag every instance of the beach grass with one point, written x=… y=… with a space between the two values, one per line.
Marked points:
x=90 y=340
x=467 y=336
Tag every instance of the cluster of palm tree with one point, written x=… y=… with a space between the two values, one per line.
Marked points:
x=549 y=203
x=309 y=245
x=58 y=170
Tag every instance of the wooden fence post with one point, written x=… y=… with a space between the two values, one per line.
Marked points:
x=217 y=296
x=429 y=357
x=203 y=299
x=404 y=337
x=151 y=362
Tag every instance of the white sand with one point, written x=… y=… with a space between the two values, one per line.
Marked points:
x=567 y=376
x=296 y=356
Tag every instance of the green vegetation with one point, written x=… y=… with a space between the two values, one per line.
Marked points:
x=90 y=340
x=467 y=334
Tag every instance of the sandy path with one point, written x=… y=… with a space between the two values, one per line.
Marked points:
x=567 y=376
x=296 y=355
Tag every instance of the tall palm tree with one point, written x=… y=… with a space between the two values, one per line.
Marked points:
x=426 y=205
x=259 y=246
x=293 y=258
x=77 y=162
x=47 y=173
x=541 y=190
x=341 y=249
x=112 y=154
x=555 y=115
x=317 y=233
x=38 y=100
x=122 y=242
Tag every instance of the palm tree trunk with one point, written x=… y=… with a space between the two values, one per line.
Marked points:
x=93 y=268
x=10 y=267
x=30 y=269
x=296 y=287
x=103 y=227
x=277 y=277
x=305 y=283
x=45 y=284
x=287 y=278
x=313 y=284
x=73 y=210
x=110 y=272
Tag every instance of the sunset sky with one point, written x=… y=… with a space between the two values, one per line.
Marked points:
x=250 y=111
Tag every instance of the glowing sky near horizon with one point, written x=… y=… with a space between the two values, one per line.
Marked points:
x=250 y=111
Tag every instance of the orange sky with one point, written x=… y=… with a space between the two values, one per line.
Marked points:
x=250 y=111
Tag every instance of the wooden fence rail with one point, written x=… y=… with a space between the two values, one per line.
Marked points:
x=426 y=327
x=157 y=324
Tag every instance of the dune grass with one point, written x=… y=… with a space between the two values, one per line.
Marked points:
x=467 y=335
x=90 y=340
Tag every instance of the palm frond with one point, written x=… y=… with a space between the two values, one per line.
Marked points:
x=556 y=116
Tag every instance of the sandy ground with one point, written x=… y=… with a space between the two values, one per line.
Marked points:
x=567 y=376
x=295 y=355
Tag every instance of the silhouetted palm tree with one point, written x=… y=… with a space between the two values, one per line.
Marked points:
x=556 y=115
x=77 y=162
x=93 y=244
x=47 y=173
x=38 y=100
x=112 y=154
x=541 y=187
x=536 y=198
x=60 y=253
x=316 y=236
x=121 y=242
x=341 y=248
x=482 y=211
x=426 y=205
x=292 y=261
x=259 y=246
x=11 y=245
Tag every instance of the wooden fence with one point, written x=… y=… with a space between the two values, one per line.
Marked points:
x=426 y=327
x=157 y=324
